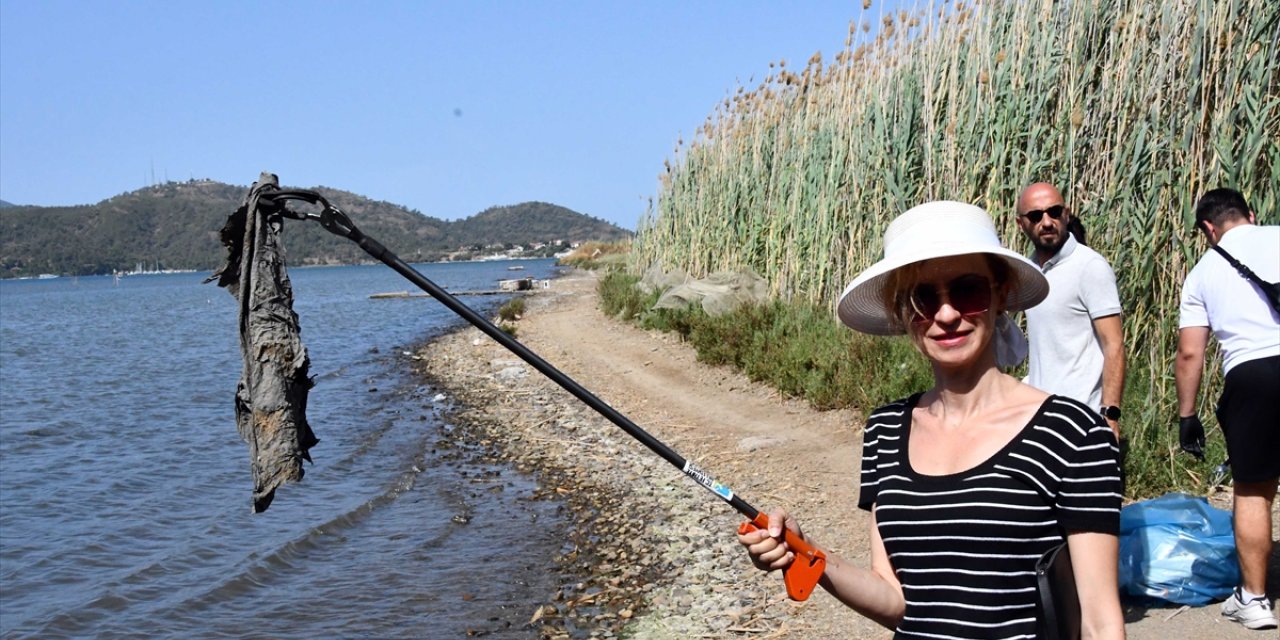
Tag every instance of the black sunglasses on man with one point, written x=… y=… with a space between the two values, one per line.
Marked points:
x=1055 y=212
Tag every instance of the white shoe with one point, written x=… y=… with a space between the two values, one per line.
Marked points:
x=1254 y=614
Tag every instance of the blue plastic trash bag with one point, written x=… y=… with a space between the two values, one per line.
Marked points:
x=1177 y=549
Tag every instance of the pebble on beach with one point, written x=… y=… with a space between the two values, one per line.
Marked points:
x=651 y=551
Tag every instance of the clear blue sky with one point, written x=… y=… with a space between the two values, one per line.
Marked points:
x=443 y=107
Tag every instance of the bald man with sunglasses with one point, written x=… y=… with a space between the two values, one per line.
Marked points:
x=1077 y=342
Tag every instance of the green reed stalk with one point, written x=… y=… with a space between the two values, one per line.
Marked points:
x=1133 y=108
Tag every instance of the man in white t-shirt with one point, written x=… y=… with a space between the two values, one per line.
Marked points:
x=1076 y=338
x=1218 y=298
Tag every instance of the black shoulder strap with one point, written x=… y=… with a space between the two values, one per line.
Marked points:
x=1270 y=290
x=1244 y=271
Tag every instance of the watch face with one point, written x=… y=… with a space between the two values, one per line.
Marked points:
x=1111 y=413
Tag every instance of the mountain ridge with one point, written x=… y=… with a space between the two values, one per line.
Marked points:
x=175 y=225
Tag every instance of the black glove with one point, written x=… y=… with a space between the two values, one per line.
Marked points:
x=1191 y=436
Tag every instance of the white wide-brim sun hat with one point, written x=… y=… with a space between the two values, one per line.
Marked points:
x=934 y=230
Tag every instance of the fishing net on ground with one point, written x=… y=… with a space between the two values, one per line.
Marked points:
x=718 y=293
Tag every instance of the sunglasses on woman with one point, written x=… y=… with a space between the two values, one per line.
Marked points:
x=969 y=295
x=1035 y=215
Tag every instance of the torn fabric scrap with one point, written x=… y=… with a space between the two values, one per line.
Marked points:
x=271 y=397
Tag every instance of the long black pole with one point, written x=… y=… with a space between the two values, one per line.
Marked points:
x=377 y=250
x=800 y=577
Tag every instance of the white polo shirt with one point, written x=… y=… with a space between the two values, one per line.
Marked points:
x=1215 y=295
x=1066 y=356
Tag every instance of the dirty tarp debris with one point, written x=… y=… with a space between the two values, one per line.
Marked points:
x=271 y=397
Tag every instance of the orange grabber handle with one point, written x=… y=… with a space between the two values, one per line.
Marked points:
x=802 y=575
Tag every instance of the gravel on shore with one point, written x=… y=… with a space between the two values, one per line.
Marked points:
x=648 y=553
x=651 y=550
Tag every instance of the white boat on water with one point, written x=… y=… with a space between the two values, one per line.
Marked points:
x=142 y=270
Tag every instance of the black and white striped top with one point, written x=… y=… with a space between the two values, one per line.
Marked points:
x=964 y=546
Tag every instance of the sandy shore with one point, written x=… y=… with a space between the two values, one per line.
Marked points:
x=656 y=553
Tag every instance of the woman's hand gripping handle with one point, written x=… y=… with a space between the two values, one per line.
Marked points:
x=801 y=575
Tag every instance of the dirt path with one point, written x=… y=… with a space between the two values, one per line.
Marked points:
x=770 y=450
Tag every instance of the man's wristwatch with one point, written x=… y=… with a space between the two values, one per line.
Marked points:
x=1111 y=412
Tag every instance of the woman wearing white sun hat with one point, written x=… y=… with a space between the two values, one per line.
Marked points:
x=971 y=481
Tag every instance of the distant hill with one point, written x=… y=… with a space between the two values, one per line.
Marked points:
x=515 y=224
x=5 y=205
x=175 y=226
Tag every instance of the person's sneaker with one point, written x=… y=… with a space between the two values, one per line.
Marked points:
x=1254 y=614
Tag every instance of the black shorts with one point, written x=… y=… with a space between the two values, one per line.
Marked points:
x=1249 y=412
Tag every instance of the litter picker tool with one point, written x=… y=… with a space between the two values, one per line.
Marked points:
x=800 y=576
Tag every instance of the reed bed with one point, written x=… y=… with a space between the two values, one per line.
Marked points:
x=1132 y=108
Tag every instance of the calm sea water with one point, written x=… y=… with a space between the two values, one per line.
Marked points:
x=125 y=489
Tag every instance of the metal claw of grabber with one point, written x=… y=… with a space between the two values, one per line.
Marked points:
x=330 y=217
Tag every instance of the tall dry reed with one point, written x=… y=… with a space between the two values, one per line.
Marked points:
x=1133 y=108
